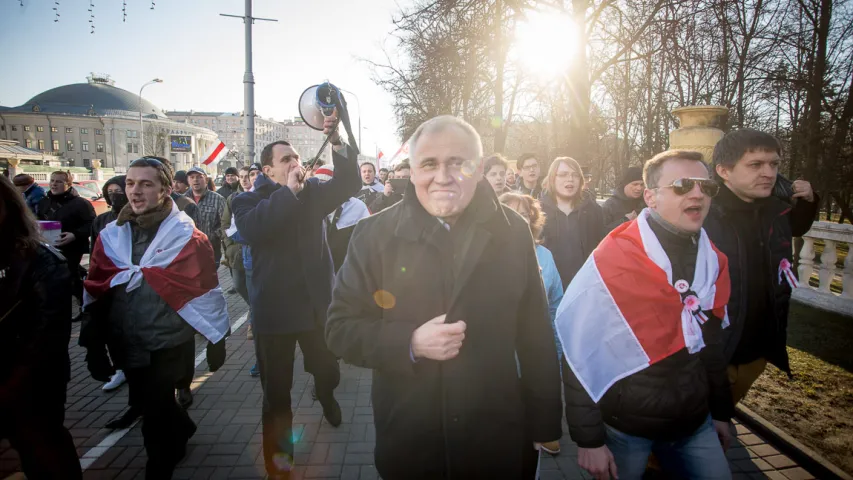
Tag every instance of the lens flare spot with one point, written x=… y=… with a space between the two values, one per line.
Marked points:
x=469 y=168
x=282 y=461
x=403 y=269
x=384 y=299
x=497 y=122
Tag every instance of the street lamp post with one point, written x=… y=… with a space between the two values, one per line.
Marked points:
x=358 y=102
x=141 y=129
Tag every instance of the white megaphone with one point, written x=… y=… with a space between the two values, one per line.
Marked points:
x=317 y=102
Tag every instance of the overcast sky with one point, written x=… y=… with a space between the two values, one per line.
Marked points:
x=199 y=54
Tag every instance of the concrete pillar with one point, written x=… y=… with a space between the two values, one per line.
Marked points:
x=699 y=129
x=14 y=169
x=97 y=173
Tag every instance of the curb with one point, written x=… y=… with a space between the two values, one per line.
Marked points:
x=804 y=456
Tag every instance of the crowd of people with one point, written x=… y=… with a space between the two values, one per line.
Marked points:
x=489 y=304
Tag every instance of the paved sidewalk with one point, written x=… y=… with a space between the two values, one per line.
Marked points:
x=227 y=410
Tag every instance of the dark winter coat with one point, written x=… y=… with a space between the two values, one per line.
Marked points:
x=668 y=400
x=35 y=306
x=229 y=189
x=75 y=213
x=617 y=206
x=777 y=223
x=571 y=238
x=384 y=201
x=471 y=416
x=292 y=270
x=186 y=205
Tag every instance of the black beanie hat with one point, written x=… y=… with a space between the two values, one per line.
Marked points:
x=231 y=171
x=631 y=175
x=118 y=180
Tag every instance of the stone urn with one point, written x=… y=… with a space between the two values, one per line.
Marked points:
x=699 y=129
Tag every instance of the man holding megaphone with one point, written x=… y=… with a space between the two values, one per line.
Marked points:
x=282 y=220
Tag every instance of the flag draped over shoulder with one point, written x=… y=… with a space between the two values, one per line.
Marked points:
x=623 y=311
x=178 y=265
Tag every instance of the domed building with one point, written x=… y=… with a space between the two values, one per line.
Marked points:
x=96 y=120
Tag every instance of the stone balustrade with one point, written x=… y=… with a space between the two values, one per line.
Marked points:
x=833 y=237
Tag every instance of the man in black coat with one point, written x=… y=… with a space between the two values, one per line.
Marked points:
x=627 y=200
x=465 y=371
x=389 y=197
x=63 y=204
x=755 y=230
x=284 y=222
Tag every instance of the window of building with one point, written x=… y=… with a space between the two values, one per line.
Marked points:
x=26 y=128
x=40 y=129
x=84 y=131
x=29 y=143
x=41 y=144
x=84 y=146
x=56 y=145
x=69 y=146
x=54 y=129
x=87 y=162
x=69 y=130
x=132 y=148
x=98 y=131
x=14 y=128
x=99 y=147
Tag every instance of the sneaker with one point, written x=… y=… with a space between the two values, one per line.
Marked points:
x=255 y=371
x=231 y=291
x=551 y=447
x=115 y=381
x=249 y=334
x=125 y=420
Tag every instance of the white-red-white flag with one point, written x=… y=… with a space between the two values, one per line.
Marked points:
x=380 y=155
x=611 y=329
x=178 y=265
x=215 y=154
x=402 y=154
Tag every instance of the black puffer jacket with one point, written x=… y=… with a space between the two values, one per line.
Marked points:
x=571 y=238
x=74 y=213
x=616 y=207
x=776 y=223
x=35 y=301
x=668 y=400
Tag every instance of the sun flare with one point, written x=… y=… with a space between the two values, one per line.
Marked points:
x=546 y=43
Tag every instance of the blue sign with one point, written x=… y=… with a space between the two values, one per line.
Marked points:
x=181 y=143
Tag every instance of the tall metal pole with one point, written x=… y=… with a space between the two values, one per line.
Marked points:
x=141 y=128
x=249 y=80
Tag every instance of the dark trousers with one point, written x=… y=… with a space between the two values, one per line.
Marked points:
x=166 y=427
x=35 y=429
x=74 y=260
x=275 y=359
x=238 y=275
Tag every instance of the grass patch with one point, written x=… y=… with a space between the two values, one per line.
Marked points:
x=816 y=406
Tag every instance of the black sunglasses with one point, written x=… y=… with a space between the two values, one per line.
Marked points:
x=683 y=186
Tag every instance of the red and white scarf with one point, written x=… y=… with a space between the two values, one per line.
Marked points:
x=623 y=311
x=178 y=265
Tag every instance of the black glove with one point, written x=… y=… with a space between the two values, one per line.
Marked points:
x=99 y=364
x=215 y=355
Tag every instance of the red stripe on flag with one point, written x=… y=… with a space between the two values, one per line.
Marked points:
x=653 y=314
x=190 y=275
x=101 y=271
x=213 y=155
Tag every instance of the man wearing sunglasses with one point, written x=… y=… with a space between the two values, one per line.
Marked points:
x=754 y=228
x=640 y=326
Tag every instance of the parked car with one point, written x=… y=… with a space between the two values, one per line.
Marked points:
x=87 y=191
x=95 y=185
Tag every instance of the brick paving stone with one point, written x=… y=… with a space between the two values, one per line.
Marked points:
x=797 y=473
x=780 y=461
x=764 y=450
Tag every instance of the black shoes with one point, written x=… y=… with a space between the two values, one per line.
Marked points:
x=185 y=398
x=331 y=411
x=125 y=420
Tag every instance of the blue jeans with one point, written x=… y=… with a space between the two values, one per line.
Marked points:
x=699 y=456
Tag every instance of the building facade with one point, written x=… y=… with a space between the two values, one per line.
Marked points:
x=82 y=122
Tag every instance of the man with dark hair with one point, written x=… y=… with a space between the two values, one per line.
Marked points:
x=389 y=197
x=627 y=200
x=32 y=193
x=210 y=207
x=371 y=188
x=153 y=305
x=283 y=221
x=76 y=214
x=530 y=176
x=640 y=326
x=383 y=175
x=755 y=229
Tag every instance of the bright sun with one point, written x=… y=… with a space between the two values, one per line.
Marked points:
x=546 y=43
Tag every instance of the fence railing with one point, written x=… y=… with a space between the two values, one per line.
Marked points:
x=837 y=240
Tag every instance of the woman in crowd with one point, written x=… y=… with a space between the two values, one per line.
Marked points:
x=494 y=169
x=574 y=223
x=529 y=209
x=35 y=300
